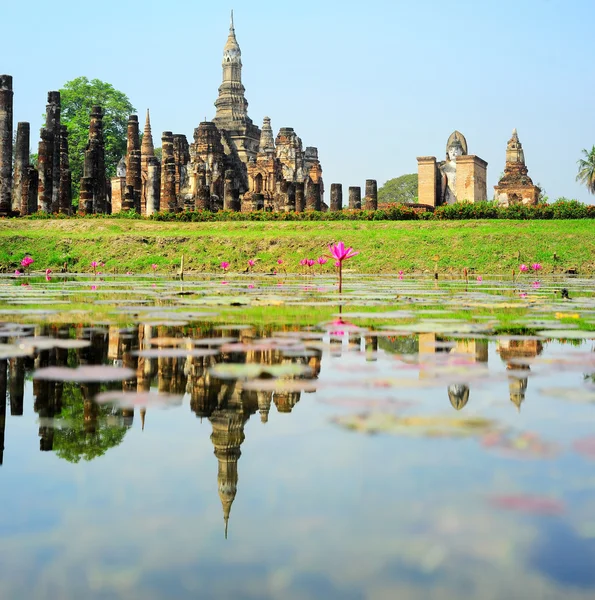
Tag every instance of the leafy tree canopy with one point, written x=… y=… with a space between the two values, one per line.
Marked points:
x=91 y=429
x=586 y=170
x=78 y=97
x=402 y=190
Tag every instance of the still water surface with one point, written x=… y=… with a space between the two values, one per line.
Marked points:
x=354 y=463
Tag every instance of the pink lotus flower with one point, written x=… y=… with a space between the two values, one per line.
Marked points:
x=154 y=267
x=321 y=260
x=94 y=264
x=523 y=295
x=400 y=274
x=536 y=267
x=341 y=253
x=251 y=263
x=251 y=286
x=93 y=287
x=279 y=261
x=479 y=279
x=27 y=262
x=304 y=262
x=225 y=265
x=523 y=268
x=536 y=285
x=311 y=262
x=48 y=271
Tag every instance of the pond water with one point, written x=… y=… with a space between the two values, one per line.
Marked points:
x=264 y=437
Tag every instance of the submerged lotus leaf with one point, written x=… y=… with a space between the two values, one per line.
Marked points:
x=142 y=399
x=574 y=394
x=567 y=334
x=175 y=352
x=282 y=385
x=214 y=341
x=86 y=373
x=47 y=343
x=251 y=371
x=14 y=351
x=425 y=426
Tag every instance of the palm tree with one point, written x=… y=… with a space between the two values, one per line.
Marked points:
x=586 y=170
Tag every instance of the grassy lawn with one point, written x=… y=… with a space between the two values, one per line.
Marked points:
x=489 y=246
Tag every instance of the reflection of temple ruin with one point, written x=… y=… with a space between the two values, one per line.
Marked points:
x=430 y=343
x=509 y=349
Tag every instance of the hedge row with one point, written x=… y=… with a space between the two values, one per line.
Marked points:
x=561 y=209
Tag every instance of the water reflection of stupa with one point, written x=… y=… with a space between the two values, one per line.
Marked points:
x=473 y=349
x=510 y=349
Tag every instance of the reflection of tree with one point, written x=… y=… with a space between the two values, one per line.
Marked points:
x=400 y=344
x=88 y=431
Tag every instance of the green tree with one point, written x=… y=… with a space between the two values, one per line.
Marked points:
x=402 y=190
x=78 y=97
x=586 y=170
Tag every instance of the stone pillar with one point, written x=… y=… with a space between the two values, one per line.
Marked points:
x=29 y=194
x=153 y=186
x=371 y=198
x=129 y=199
x=45 y=166
x=181 y=158
x=203 y=198
x=65 y=183
x=133 y=177
x=52 y=123
x=93 y=197
x=86 y=196
x=336 y=197
x=313 y=196
x=228 y=198
x=6 y=123
x=21 y=162
x=427 y=180
x=355 y=198
x=290 y=205
x=133 y=161
x=168 y=172
x=300 y=200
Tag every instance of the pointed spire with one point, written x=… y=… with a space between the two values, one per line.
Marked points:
x=226 y=524
x=231 y=27
x=143 y=412
x=147 y=147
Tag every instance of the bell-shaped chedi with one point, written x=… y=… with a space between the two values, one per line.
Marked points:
x=515 y=186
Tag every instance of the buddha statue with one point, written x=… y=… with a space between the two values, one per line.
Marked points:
x=455 y=147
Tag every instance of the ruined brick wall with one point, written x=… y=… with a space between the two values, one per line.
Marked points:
x=427 y=180
x=471 y=182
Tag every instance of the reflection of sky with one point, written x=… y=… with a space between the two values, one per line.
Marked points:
x=321 y=512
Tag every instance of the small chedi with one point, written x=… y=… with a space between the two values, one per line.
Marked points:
x=461 y=177
x=515 y=186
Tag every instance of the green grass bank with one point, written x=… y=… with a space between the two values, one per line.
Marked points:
x=483 y=246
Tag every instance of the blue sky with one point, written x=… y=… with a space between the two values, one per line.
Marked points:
x=373 y=85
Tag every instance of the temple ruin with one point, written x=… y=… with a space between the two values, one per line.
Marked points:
x=515 y=186
x=461 y=177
